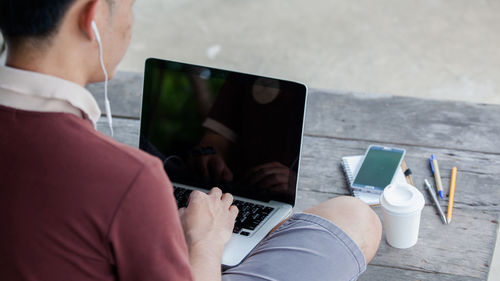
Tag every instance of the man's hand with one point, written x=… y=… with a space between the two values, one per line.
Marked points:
x=208 y=221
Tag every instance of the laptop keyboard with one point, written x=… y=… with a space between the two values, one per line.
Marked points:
x=181 y=196
x=250 y=215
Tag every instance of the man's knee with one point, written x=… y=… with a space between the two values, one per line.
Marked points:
x=356 y=219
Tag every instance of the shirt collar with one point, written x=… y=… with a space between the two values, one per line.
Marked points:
x=36 y=84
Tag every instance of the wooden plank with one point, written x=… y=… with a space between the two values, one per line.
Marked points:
x=477 y=180
x=375 y=118
x=406 y=121
x=321 y=178
x=461 y=248
x=328 y=119
x=382 y=273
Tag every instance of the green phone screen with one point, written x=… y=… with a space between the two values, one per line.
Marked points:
x=379 y=167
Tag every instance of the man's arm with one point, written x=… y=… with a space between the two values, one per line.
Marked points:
x=145 y=239
x=208 y=222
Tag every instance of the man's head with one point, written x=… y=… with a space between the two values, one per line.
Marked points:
x=31 y=19
x=61 y=29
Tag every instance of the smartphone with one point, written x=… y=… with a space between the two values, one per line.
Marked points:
x=378 y=168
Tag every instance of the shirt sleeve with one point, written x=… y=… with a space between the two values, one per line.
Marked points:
x=146 y=239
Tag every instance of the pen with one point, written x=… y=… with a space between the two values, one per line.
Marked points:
x=436 y=202
x=407 y=172
x=437 y=176
x=452 y=193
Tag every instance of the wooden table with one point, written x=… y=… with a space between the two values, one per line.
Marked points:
x=460 y=134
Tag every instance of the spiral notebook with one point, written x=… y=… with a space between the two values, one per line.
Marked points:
x=350 y=165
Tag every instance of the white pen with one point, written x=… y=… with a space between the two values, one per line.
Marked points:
x=436 y=202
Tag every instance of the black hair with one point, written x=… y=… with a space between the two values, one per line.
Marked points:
x=37 y=19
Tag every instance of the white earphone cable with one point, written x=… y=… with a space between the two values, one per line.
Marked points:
x=106 y=100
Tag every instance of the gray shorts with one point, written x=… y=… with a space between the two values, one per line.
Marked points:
x=306 y=248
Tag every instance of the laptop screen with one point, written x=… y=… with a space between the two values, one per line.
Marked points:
x=213 y=127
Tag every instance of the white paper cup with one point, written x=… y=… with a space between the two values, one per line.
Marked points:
x=402 y=205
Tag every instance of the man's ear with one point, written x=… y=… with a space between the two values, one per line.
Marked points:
x=87 y=15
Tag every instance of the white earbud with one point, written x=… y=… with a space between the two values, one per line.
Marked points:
x=96 y=32
x=106 y=100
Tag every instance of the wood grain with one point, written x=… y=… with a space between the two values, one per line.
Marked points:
x=477 y=181
x=353 y=116
x=382 y=273
x=404 y=121
x=340 y=124
x=463 y=247
x=441 y=248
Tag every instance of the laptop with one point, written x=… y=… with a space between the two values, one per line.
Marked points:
x=240 y=132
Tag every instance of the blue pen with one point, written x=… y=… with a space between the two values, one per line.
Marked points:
x=437 y=175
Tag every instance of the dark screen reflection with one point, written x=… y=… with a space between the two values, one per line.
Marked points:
x=215 y=128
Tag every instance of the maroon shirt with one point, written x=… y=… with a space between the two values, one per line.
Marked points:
x=76 y=205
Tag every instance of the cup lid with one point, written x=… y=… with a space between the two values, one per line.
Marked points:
x=402 y=198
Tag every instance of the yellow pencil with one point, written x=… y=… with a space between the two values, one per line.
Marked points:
x=452 y=193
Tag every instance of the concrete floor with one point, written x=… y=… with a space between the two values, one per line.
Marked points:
x=433 y=48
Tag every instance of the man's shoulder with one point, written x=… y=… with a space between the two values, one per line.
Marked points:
x=106 y=169
x=110 y=153
x=70 y=148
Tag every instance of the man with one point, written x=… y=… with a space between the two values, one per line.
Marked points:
x=76 y=205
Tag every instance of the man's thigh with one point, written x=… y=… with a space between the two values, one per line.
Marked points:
x=305 y=247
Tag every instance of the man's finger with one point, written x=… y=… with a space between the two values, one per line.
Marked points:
x=216 y=192
x=234 y=211
x=195 y=194
x=228 y=199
